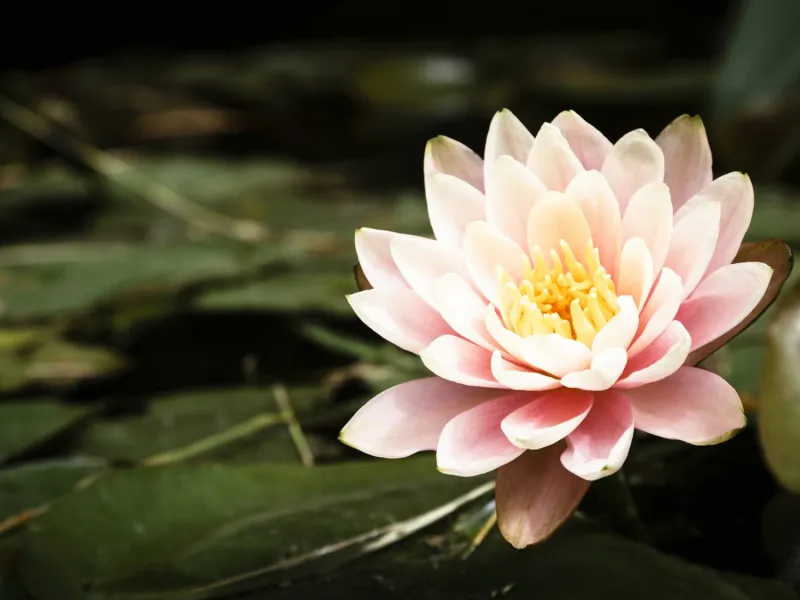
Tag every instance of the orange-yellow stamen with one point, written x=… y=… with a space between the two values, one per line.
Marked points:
x=571 y=298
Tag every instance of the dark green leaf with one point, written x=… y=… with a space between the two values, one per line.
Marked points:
x=762 y=59
x=11 y=588
x=289 y=292
x=779 y=400
x=175 y=421
x=578 y=563
x=29 y=423
x=77 y=278
x=168 y=528
x=34 y=484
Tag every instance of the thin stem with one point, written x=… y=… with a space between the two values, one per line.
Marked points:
x=295 y=430
x=237 y=432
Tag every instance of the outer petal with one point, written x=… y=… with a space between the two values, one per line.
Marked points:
x=452 y=205
x=534 y=495
x=459 y=361
x=556 y=217
x=692 y=246
x=399 y=316
x=660 y=359
x=513 y=191
x=777 y=255
x=721 y=301
x=693 y=405
x=635 y=274
x=734 y=192
x=444 y=155
x=552 y=160
x=463 y=309
x=599 y=446
x=594 y=196
x=485 y=250
x=649 y=216
x=472 y=443
x=660 y=310
x=589 y=145
x=422 y=261
x=375 y=257
x=547 y=419
x=687 y=158
x=409 y=417
x=634 y=161
x=507 y=136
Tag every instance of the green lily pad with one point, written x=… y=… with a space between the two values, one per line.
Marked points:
x=31 y=485
x=161 y=529
x=29 y=423
x=11 y=588
x=175 y=421
x=43 y=290
x=291 y=292
x=578 y=562
x=779 y=415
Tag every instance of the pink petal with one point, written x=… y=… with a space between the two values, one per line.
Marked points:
x=444 y=155
x=599 y=206
x=473 y=443
x=510 y=197
x=452 y=205
x=687 y=158
x=734 y=192
x=606 y=368
x=635 y=272
x=693 y=405
x=485 y=249
x=619 y=331
x=599 y=446
x=554 y=354
x=693 y=242
x=460 y=361
x=649 y=216
x=723 y=299
x=660 y=310
x=660 y=359
x=409 y=417
x=634 y=161
x=517 y=377
x=399 y=316
x=556 y=217
x=552 y=160
x=535 y=495
x=547 y=419
x=463 y=309
x=507 y=136
x=375 y=257
x=589 y=145
x=422 y=261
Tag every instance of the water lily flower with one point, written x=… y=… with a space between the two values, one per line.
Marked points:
x=571 y=286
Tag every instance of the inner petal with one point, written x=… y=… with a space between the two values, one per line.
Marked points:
x=569 y=296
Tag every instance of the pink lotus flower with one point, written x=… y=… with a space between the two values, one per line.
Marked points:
x=569 y=281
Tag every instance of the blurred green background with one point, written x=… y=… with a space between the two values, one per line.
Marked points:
x=179 y=189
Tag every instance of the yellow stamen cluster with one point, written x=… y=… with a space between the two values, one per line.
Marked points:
x=571 y=298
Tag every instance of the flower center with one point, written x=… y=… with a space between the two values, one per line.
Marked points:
x=571 y=298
